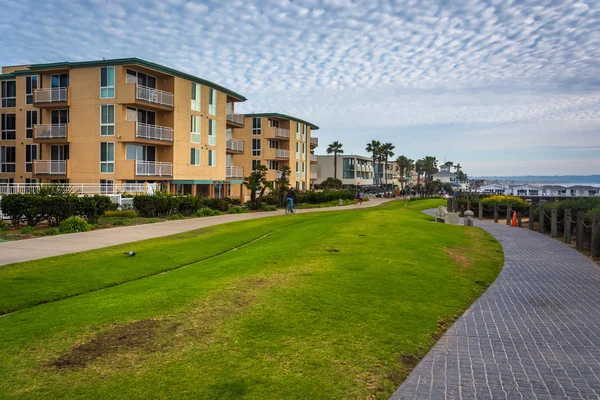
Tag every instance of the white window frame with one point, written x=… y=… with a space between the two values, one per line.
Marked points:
x=29 y=122
x=5 y=164
x=212 y=101
x=297 y=169
x=304 y=151
x=29 y=96
x=257 y=152
x=298 y=150
x=4 y=100
x=31 y=146
x=107 y=125
x=3 y=131
x=304 y=132
x=195 y=156
x=255 y=163
x=298 y=130
x=273 y=164
x=212 y=132
x=257 y=131
x=195 y=123
x=196 y=92
x=109 y=86
x=212 y=158
x=108 y=162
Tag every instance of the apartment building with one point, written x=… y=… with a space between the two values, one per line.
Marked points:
x=273 y=140
x=117 y=122
x=351 y=170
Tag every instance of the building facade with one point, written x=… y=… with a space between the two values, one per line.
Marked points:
x=351 y=170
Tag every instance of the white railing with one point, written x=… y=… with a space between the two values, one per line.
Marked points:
x=153 y=168
x=314 y=158
x=53 y=131
x=314 y=141
x=78 y=188
x=235 y=145
x=235 y=118
x=52 y=95
x=278 y=175
x=50 y=167
x=282 y=133
x=154 y=132
x=234 y=172
x=152 y=95
x=314 y=175
x=279 y=153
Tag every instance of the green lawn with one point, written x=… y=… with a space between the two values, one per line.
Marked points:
x=333 y=305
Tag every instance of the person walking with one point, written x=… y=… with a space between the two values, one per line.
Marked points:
x=360 y=198
x=290 y=197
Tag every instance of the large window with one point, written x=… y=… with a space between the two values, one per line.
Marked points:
x=30 y=121
x=298 y=129
x=304 y=132
x=274 y=123
x=59 y=80
x=107 y=120
x=256 y=147
x=140 y=152
x=348 y=168
x=212 y=101
x=140 y=78
x=8 y=125
x=30 y=155
x=212 y=158
x=107 y=157
x=195 y=156
x=107 y=82
x=273 y=164
x=255 y=164
x=195 y=129
x=304 y=151
x=273 y=144
x=297 y=169
x=195 y=97
x=31 y=83
x=297 y=149
x=8 y=158
x=9 y=94
x=212 y=132
x=256 y=126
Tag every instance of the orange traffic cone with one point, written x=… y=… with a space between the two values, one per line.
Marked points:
x=514 y=220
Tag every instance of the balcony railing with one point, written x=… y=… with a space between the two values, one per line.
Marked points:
x=314 y=176
x=79 y=188
x=52 y=95
x=153 y=168
x=314 y=158
x=235 y=145
x=50 y=167
x=50 y=131
x=314 y=141
x=235 y=118
x=282 y=133
x=153 y=132
x=152 y=95
x=234 y=172
x=279 y=153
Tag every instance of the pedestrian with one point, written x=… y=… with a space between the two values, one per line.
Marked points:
x=360 y=198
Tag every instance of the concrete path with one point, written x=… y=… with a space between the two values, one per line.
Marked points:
x=32 y=249
x=534 y=334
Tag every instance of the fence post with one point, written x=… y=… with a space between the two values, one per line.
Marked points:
x=508 y=212
x=596 y=236
x=579 y=230
x=449 y=204
x=531 y=216
x=541 y=222
x=553 y=222
x=496 y=212
x=480 y=210
x=567 y=233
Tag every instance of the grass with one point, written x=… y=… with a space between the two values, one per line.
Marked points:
x=333 y=203
x=335 y=305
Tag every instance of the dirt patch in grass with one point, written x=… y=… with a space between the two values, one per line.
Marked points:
x=442 y=327
x=333 y=250
x=458 y=255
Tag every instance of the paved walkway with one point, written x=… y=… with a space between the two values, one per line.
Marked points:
x=33 y=249
x=535 y=333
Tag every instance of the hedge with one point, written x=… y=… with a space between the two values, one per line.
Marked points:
x=162 y=205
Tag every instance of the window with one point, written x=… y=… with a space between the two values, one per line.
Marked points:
x=31 y=181
x=297 y=169
x=298 y=129
x=107 y=120
x=30 y=121
x=8 y=157
x=9 y=94
x=195 y=97
x=196 y=123
x=212 y=132
x=60 y=80
x=303 y=170
x=256 y=147
x=107 y=157
x=274 y=123
x=255 y=164
x=304 y=133
x=140 y=78
x=107 y=186
x=273 y=164
x=297 y=149
x=348 y=168
x=107 y=82
x=273 y=144
x=31 y=83
x=140 y=152
x=59 y=117
x=212 y=158
x=212 y=101
x=30 y=155
x=8 y=125
x=304 y=151
x=195 y=157
x=256 y=126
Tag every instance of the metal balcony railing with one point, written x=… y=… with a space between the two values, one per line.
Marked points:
x=235 y=118
x=314 y=158
x=314 y=141
x=79 y=188
x=52 y=95
x=50 y=131
x=50 y=167
x=234 y=172
x=154 y=132
x=235 y=145
x=279 y=153
x=153 y=168
x=152 y=95
x=314 y=176
x=282 y=133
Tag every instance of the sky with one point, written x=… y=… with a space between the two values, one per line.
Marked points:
x=502 y=87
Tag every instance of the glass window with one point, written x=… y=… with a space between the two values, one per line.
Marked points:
x=348 y=168
x=107 y=82
x=212 y=132
x=107 y=120
x=9 y=127
x=195 y=157
x=195 y=129
x=273 y=164
x=30 y=155
x=273 y=144
x=212 y=158
x=131 y=76
x=195 y=97
x=255 y=164
x=30 y=121
x=131 y=152
x=107 y=157
x=256 y=126
x=61 y=80
x=8 y=158
x=298 y=129
x=107 y=186
x=256 y=147
x=212 y=101
x=31 y=83
x=304 y=132
x=9 y=94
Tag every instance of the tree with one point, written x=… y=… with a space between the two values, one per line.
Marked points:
x=419 y=169
x=429 y=167
x=447 y=166
x=386 y=153
x=405 y=165
x=282 y=183
x=331 y=183
x=257 y=183
x=374 y=148
x=335 y=148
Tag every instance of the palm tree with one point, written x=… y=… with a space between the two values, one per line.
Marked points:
x=335 y=148
x=419 y=169
x=283 y=183
x=374 y=148
x=404 y=165
x=386 y=154
x=429 y=167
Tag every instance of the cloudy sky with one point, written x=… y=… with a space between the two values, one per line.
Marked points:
x=501 y=86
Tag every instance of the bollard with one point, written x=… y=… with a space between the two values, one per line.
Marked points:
x=496 y=212
x=553 y=222
x=469 y=218
x=480 y=210
x=508 y=214
x=531 y=216
x=579 y=230
x=567 y=233
x=596 y=236
x=541 y=223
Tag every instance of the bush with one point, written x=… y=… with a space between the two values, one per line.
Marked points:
x=175 y=217
x=92 y=207
x=324 y=197
x=14 y=206
x=74 y=224
x=49 y=232
x=207 y=212
x=217 y=204
x=121 y=214
x=266 y=207
x=27 y=230
x=58 y=208
x=144 y=205
x=232 y=201
x=237 y=210
x=188 y=205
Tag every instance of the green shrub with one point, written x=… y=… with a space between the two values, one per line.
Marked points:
x=13 y=205
x=266 y=207
x=58 y=208
x=121 y=214
x=216 y=204
x=188 y=205
x=175 y=217
x=27 y=230
x=118 y=223
x=74 y=224
x=237 y=210
x=232 y=201
x=206 y=212
x=49 y=232
x=92 y=207
x=144 y=205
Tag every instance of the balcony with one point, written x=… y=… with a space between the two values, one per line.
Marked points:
x=152 y=95
x=146 y=97
x=279 y=153
x=50 y=167
x=234 y=146
x=235 y=119
x=51 y=97
x=282 y=133
x=234 y=172
x=153 y=168
x=314 y=176
x=314 y=159
x=153 y=132
x=50 y=133
x=314 y=142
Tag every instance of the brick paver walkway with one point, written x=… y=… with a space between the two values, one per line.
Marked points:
x=535 y=333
